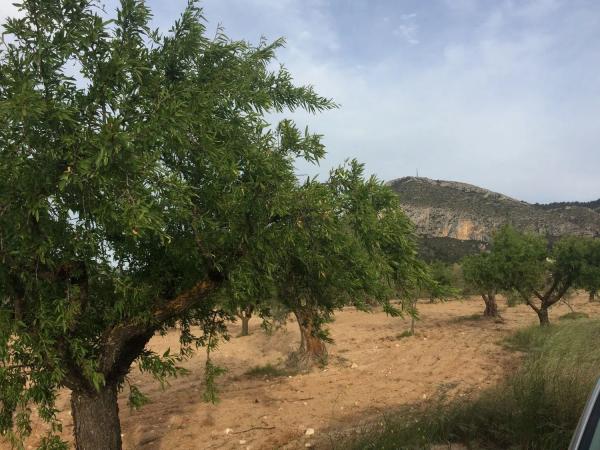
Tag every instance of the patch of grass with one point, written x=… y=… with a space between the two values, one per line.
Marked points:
x=468 y=318
x=528 y=339
x=536 y=407
x=267 y=371
x=404 y=334
x=574 y=315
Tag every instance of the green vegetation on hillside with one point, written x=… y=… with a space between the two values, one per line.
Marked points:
x=536 y=408
x=446 y=249
x=594 y=204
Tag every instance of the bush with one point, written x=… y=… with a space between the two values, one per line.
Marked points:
x=574 y=315
x=405 y=334
x=513 y=298
x=267 y=371
x=536 y=408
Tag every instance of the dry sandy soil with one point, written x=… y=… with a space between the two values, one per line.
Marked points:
x=371 y=371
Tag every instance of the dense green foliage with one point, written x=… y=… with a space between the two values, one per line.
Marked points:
x=148 y=190
x=481 y=273
x=535 y=408
x=443 y=273
x=589 y=279
x=131 y=194
x=352 y=245
x=594 y=204
x=446 y=249
x=542 y=274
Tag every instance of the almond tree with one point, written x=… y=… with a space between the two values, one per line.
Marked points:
x=350 y=244
x=479 y=271
x=130 y=195
x=543 y=275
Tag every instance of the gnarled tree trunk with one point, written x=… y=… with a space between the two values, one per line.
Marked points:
x=491 y=307
x=312 y=348
x=541 y=311
x=553 y=295
x=543 y=316
x=96 y=419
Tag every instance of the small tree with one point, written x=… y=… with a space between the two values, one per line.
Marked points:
x=434 y=287
x=541 y=275
x=350 y=244
x=443 y=275
x=481 y=273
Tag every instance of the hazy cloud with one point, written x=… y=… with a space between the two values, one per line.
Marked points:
x=502 y=94
x=408 y=28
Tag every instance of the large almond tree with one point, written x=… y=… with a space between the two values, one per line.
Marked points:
x=138 y=178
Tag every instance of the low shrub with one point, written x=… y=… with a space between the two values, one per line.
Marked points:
x=267 y=371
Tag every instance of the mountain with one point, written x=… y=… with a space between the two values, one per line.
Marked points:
x=448 y=211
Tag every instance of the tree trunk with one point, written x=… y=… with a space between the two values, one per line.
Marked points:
x=543 y=316
x=96 y=413
x=491 y=307
x=413 y=318
x=96 y=419
x=245 y=314
x=312 y=348
x=593 y=295
x=245 y=328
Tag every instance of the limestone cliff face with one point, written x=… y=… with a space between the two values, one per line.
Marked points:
x=462 y=211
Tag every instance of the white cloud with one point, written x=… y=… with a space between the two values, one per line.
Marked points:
x=479 y=114
x=506 y=99
x=408 y=28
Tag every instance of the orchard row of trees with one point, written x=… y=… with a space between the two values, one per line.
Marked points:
x=539 y=273
x=148 y=190
x=141 y=187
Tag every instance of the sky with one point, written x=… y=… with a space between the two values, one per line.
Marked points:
x=504 y=94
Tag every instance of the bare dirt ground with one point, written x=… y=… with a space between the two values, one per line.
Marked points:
x=371 y=370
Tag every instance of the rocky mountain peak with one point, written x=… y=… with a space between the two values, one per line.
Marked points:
x=451 y=209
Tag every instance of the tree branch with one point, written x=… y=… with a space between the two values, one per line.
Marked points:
x=549 y=292
x=116 y=357
x=532 y=305
x=561 y=293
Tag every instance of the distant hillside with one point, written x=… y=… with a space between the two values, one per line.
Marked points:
x=463 y=212
x=595 y=205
